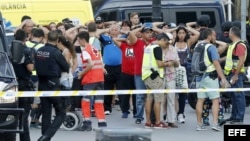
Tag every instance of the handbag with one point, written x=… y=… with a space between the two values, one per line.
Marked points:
x=181 y=78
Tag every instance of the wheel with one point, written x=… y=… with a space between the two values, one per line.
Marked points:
x=192 y=99
x=7 y=137
x=71 y=121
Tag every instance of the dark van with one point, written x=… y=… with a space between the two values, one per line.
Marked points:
x=177 y=11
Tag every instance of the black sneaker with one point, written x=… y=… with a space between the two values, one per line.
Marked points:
x=222 y=122
x=87 y=126
x=102 y=124
x=138 y=121
x=236 y=121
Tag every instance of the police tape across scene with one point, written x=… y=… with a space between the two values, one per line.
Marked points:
x=111 y=92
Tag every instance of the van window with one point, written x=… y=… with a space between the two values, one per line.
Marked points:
x=184 y=17
x=145 y=16
x=109 y=15
x=212 y=17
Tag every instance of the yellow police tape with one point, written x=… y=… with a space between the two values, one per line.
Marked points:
x=112 y=92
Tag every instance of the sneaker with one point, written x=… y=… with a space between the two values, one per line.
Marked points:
x=125 y=115
x=172 y=125
x=107 y=112
x=161 y=125
x=236 y=121
x=102 y=124
x=138 y=121
x=216 y=127
x=148 y=125
x=206 y=124
x=222 y=122
x=87 y=126
x=181 y=118
x=200 y=128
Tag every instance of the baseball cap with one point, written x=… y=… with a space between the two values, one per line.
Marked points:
x=98 y=19
x=146 y=28
x=170 y=36
x=66 y=20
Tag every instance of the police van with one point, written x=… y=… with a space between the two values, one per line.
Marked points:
x=177 y=11
x=9 y=111
x=45 y=11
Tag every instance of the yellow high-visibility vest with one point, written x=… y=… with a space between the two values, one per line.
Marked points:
x=208 y=63
x=149 y=62
x=230 y=62
x=36 y=46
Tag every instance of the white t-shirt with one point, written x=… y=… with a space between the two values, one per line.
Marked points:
x=85 y=55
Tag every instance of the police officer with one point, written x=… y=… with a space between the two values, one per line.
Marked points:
x=23 y=71
x=50 y=63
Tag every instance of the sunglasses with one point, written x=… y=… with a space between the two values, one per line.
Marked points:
x=98 y=22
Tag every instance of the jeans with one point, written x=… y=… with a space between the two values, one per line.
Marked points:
x=140 y=98
x=238 y=99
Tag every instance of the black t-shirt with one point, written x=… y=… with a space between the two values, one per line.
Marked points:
x=158 y=53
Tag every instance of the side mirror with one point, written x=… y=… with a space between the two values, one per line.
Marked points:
x=17 y=51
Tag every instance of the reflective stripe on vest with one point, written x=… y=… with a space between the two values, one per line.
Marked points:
x=149 y=62
x=230 y=63
x=36 y=46
x=97 y=64
x=208 y=63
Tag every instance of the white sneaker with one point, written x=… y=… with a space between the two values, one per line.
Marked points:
x=181 y=118
x=107 y=112
x=216 y=127
x=200 y=128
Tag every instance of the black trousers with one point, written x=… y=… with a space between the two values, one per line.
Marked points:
x=49 y=128
x=111 y=80
x=25 y=103
x=128 y=83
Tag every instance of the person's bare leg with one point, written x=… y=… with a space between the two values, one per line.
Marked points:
x=198 y=108
x=148 y=109
x=215 y=110
x=157 y=110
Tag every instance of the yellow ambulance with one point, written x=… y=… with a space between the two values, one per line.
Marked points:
x=45 y=11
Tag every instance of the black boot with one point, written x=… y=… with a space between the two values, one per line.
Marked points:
x=44 y=138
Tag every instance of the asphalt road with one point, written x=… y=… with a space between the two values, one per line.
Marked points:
x=185 y=132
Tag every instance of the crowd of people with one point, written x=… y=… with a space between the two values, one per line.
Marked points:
x=125 y=55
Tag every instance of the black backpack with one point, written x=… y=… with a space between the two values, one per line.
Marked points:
x=247 y=61
x=198 y=65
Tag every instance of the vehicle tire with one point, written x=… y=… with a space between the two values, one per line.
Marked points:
x=7 y=137
x=71 y=121
x=192 y=99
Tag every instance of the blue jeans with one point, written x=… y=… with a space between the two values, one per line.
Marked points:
x=238 y=99
x=140 y=98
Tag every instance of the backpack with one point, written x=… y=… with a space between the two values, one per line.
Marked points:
x=247 y=61
x=198 y=65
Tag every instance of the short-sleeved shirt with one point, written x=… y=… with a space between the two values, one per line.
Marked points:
x=128 y=58
x=213 y=53
x=85 y=55
x=240 y=50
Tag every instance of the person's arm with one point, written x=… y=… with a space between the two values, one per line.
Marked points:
x=70 y=34
x=190 y=24
x=89 y=66
x=131 y=36
x=102 y=31
x=117 y=41
x=222 y=46
x=195 y=36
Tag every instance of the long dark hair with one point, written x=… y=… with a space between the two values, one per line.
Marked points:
x=177 y=30
x=68 y=45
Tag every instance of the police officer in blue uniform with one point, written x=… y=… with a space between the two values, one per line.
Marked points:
x=50 y=63
x=23 y=71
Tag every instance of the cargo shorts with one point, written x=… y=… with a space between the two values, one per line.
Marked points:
x=157 y=83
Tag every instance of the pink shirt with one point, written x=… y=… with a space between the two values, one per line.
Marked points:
x=171 y=54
